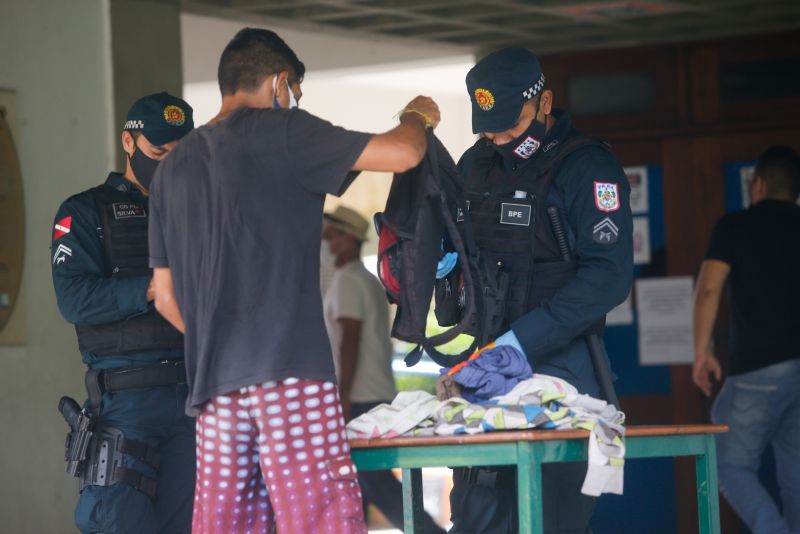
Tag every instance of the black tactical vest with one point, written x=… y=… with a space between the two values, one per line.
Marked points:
x=123 y=223
x=521 y=260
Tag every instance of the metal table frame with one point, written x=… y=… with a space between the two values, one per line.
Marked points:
x=528 y=450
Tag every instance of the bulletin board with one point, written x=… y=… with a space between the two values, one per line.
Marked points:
x=645 y=505
x=621 y=335
x=738 y=175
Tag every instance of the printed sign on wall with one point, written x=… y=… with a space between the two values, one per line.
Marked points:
x=664 y=307
x=640 y=198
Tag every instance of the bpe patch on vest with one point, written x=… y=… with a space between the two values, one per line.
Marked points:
x=516 y=214
x=62 y=227
x=527 y=148
x=606 y=196
x=605 y=232
x=127 y=210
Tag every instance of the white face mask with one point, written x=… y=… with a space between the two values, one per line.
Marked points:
x=292 y=100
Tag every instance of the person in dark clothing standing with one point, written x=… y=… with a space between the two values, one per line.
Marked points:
x=551 y=217
x=139 y=473
x=755 y=255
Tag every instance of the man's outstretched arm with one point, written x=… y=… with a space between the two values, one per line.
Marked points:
x=403 y=147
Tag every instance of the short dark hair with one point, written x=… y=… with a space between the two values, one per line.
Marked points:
x=779 y=167
x=251 y=56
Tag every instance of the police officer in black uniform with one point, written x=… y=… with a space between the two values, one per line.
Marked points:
x=550 y=214
x=138 y=471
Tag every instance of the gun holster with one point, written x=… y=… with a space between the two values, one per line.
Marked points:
x=81 y=425
x=106 y=466
x=97 y=455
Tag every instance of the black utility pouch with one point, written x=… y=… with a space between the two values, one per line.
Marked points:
x=448 y=295
x=495 y=295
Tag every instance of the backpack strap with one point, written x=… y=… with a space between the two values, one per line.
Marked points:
x=468 y=261
x=469 y=266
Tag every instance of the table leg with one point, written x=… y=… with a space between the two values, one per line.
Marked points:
x=412 y=501
x=707 y=488
x=529 y=488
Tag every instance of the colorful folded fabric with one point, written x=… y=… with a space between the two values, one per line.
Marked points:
x=539 y=402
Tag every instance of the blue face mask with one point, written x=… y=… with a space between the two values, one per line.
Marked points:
x=292 y=100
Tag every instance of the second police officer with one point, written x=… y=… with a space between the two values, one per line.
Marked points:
x=138 y=475
x=549 y=208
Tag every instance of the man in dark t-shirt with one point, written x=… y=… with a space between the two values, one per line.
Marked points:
x=235 y=251
x=756 y=254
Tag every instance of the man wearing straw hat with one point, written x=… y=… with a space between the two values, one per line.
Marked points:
x=357 y=320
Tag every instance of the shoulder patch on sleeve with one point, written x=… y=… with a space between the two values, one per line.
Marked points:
x=606 y=196
x=61 y=254
x=605 y=232
x=62 y=227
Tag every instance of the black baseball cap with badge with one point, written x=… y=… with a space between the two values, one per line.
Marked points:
x=161 y=117
x=499 y=84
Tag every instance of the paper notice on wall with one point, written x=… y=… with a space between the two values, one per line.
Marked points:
x=637 y=177
x=641 y=240
x=621 y=314
x=664 y=308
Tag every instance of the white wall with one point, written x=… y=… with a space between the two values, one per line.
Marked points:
x=359 y=84
x=204 y=37
x=56 y=56
x=368 y=98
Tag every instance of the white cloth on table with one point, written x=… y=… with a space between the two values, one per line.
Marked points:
x=540 y=402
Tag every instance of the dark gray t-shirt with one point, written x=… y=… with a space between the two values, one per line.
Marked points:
x=236 y=214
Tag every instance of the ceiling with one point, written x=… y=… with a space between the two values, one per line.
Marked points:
x=546 y=26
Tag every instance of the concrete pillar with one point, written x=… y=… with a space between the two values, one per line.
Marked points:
x=71 y=90
x=145 y=53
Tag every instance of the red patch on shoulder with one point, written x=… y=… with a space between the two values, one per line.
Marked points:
x=62 y=227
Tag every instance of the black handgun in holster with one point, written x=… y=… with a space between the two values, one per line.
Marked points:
x=81 y=426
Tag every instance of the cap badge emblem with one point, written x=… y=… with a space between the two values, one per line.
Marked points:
x=484 y=98
x=174 y=116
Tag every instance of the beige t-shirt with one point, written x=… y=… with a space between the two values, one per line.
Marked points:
x=354 y=293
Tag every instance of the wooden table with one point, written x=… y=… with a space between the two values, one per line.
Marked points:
x=528 y=450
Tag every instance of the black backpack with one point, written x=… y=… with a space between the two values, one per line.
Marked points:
x=419 y=215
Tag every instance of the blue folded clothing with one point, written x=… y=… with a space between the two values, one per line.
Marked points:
x=506 y=360
x=494 y=372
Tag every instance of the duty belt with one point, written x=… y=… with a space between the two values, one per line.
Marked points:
x=99 y=381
